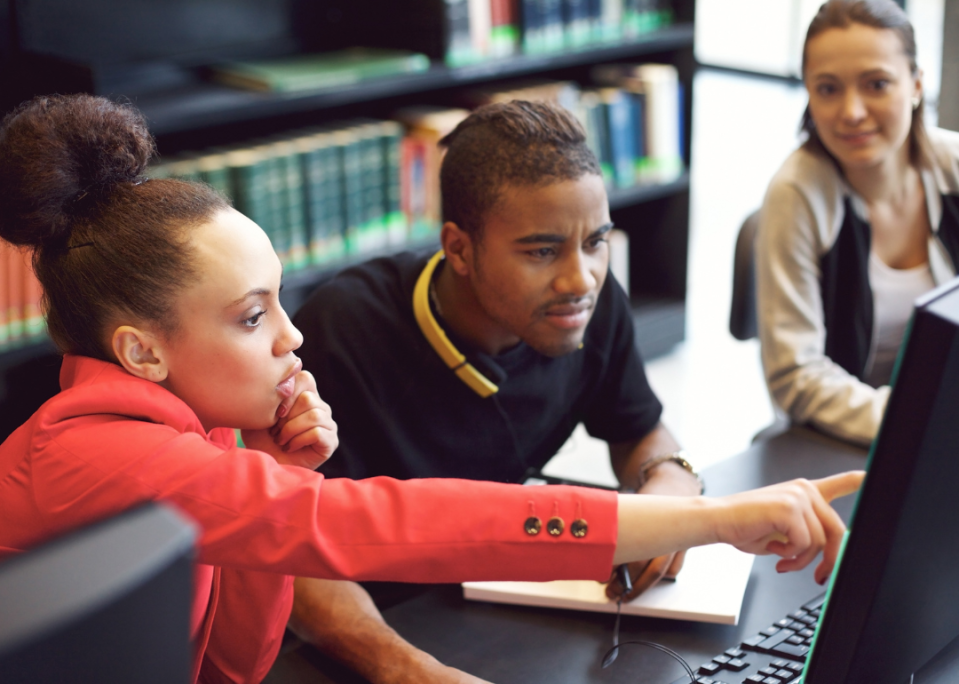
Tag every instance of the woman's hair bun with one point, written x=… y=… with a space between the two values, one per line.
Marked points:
x=56 y=150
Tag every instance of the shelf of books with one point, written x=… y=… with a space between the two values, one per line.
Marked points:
x=335 y=195
x=218 y=101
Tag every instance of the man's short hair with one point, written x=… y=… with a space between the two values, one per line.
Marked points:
x=509 y=143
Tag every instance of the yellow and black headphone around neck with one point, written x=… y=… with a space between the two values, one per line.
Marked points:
x=436 y=336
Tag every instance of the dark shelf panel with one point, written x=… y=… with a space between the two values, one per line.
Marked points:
x=645 y=192
x=25 y=350
x=204 y=104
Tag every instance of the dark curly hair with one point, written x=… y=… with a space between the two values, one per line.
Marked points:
x=106 y=244
x=509 y=143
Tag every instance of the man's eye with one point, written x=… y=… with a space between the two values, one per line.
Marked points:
x=826 y=89
x=254 y=320
x=596 y=242
x=542 y=252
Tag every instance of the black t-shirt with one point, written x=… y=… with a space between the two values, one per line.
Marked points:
x=403 y=413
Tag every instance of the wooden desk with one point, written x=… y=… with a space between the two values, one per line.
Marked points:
x=523 y=645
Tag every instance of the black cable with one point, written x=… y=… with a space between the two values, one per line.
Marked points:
x=611 y=654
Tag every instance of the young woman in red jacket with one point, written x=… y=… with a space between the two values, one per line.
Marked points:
x=164 y=301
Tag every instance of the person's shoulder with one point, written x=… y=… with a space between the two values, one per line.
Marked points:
x=375 y=288
x=611 y=313
x=945 y=156
x=809 y=172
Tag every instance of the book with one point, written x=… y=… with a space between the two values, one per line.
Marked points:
x=662 y=114
x=504 y=28
x=391 y=138
x=212 y=171
x=428 y=125
x=350 y=163
x=372 y=234
x=617 y=109
x=710 y=588
x=292 y=217
x=459 y=38
x=480 y=12
x=320 y=71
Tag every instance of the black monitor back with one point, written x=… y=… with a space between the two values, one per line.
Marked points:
x=108 y=604
x=894 y=599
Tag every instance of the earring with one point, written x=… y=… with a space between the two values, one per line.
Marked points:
x=916 y=101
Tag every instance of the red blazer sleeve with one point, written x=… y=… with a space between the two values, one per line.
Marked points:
x=258 y=515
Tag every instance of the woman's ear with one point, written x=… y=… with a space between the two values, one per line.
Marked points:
x=141 y=353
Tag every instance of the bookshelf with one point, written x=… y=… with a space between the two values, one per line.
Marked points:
x=190 y=113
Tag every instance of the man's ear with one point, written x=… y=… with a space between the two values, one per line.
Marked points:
x=140 y=352
x=458 y=247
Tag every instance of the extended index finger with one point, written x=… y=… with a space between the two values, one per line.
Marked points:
x=843 y=484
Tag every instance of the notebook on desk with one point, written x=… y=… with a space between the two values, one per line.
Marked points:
x=710 y=588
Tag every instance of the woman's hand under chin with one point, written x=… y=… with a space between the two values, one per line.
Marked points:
x=304 y=434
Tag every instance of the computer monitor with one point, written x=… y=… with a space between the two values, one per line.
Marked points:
x=893 y=603
x=108 y=604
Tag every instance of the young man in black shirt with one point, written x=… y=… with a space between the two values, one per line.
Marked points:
x=478 y=362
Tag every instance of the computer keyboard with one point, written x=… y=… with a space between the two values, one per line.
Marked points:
x=776 y=655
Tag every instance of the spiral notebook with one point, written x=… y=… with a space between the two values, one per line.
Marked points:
x=710 y=588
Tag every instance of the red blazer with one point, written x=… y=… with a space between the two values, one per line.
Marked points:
x=110 y=441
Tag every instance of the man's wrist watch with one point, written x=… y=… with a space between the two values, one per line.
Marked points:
x=677 y=457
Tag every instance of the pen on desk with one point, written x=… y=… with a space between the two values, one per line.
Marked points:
x=622 y=572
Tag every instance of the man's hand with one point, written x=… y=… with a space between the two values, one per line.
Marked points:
x=340 y=619
x=668 y=479
x=304 y=433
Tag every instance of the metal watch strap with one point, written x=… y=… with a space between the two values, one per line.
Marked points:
x=678 y=457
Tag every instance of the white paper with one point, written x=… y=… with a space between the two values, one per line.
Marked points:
x=710 y=588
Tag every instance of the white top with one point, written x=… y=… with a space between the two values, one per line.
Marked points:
x=894 y=291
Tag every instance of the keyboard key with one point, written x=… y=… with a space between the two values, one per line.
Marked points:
x=795 y=667
x=799 y=614
x=796 y=625
x=769 y=631
x=785 y=675
x=709 y=668
x=791 y=651
x=753 y=679
x=737 y=664
x=767 y=671
x=808 y=619
x=785 y=622
x=753 y=642
x=807 y=633
x=774 y=641
x=770 y=680
x=779 y=663
x=795 y=639
x=721 y=659
x=735 y=652
x=815 y=604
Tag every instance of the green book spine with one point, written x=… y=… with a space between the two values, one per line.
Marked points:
x=351 y=185
x=334 y=220
x=310 y=167
x=213 y=172
x=247 y=170
x=276 y=228
x=396 y=227
x=294 y=216
x=373 y=231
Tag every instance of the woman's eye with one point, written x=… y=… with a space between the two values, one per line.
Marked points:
x=826 y=89
x=879 y=84
x=254 y=320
